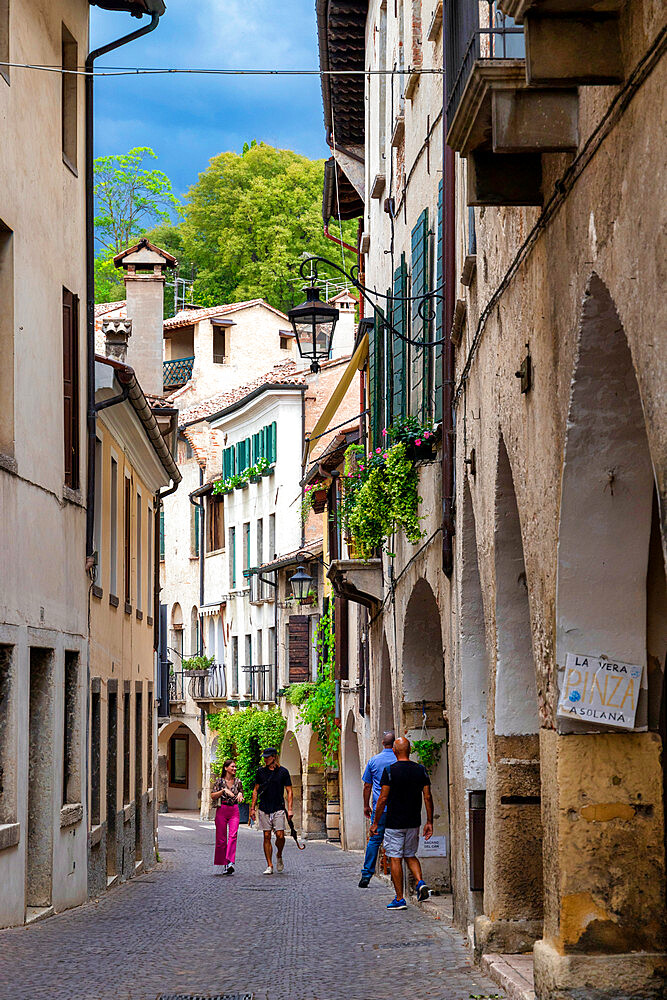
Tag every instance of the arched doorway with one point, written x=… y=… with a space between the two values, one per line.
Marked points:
x=423 y=702
x=386 y=719
x=314 y=793
x=513 y=842
x=473 y=680
x=353 y=804
x=290 y=757
x=180 y=768
x=194 y=631
x=610 y=607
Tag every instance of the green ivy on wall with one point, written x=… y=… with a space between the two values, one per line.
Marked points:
x=318 y=708
x=242 y=736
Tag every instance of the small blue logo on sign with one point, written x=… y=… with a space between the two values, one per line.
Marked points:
x=575 y=696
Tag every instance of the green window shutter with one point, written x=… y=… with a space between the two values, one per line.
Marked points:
x=196 y=539
x=232 y=556
x=272 y=429
x=256 y=448
x=399 y=347
x=376 y=378
x=239 y=456
x=162 y=533
x=419 y=325
x=248 y=453
x=389 y=365
x=438 y=305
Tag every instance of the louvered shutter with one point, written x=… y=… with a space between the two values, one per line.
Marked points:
x=419 y=325
x=439 y=305
x=399 y=352
x=376 y=378
x=389 y=366
x=299 y=650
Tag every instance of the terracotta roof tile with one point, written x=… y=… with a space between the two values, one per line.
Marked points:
x=186 y=317
x=285 y=372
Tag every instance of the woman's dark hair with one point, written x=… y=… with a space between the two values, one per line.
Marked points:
x=225 y=765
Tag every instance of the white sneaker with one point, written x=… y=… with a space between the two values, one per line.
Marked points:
x=268 y=871
x=279 y=865
x=220 y=870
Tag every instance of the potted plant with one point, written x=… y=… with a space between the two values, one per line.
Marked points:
x=419 y=438
x=197 y=666
x=310 y=598
x=241 y=480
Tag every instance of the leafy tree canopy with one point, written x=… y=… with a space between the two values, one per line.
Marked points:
x=129 y=196
x=247 y=223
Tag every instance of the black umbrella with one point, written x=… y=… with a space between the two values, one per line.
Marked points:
x=301 y=847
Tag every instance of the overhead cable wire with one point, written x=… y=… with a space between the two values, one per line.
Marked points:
x=211 y=71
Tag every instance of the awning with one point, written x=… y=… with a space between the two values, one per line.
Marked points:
x=355 y=364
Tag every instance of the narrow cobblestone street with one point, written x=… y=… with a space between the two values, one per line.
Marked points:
x=294 y=936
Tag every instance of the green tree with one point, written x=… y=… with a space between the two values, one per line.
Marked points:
x=249 y=220
x=129 y=197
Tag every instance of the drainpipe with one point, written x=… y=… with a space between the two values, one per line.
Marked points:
x=449 y=275
x=164 y=681
x=90 y=270
x=303 y=464
x=194 y=503
x=341 y=243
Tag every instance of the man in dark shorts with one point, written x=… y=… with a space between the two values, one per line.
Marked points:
x=403 y=784
x=271 y=782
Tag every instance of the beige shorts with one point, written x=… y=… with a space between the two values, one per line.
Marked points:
x=271 y=821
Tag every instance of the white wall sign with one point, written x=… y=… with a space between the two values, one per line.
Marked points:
x=435 y=847
x=602 y=692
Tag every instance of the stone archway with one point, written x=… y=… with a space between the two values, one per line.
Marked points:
x=172 y=796
x=473 y=681
x=353 y=805
x=176 y=636
x=290 y=757
x=513 y=842
x=610 y=605
x=314 y=793
x=386 y=720
x=424 y=692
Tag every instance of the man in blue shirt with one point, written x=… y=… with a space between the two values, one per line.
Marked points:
x=372 y=783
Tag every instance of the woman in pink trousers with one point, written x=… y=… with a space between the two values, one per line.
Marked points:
x=227 y=793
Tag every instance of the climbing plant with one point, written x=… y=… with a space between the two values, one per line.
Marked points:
x=242 y=736
x=318 y=709
x=428 y=752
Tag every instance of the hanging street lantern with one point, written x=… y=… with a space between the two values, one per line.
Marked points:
x=313 y=323
x=301 y=583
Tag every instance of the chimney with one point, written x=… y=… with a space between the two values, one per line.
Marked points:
x=144 y=266
x=344 y=334
x=116 y=332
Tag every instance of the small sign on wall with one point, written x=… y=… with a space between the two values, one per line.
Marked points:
x=600 y=692
x=434 y=847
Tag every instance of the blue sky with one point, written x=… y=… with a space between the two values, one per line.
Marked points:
x=188 y=119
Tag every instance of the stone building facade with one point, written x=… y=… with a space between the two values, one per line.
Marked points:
x=543 y=516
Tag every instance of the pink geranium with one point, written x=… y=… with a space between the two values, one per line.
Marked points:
x=378 y=451
x=418 y=441
x=427 y=434
x=384 y=432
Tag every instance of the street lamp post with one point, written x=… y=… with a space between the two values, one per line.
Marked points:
x=313 y=323
x=301 y=583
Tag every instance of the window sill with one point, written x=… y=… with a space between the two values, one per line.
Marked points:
x=149 y=620
x=95 y=834
x=70 y=814
x=97 y=591
x=10 y=834
x=140 y=615
x=128 y=812
x=9 y=464
x=70 y=166
x=196 y=558
x=73 y=496
x=113 y=601
x=128 y=608
x=212 y=552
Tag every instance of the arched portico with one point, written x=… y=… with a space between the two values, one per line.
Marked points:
x=605 y=884
x=423 y=702
x=353 y=807
x=314 y=793
x=180 y=767
x=513 y=837
x=468 y=830
x=290 y=757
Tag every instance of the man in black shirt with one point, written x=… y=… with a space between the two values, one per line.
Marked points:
x=271 y=782
x=403 y=784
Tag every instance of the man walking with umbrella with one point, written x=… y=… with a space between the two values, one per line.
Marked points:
x=271 y=783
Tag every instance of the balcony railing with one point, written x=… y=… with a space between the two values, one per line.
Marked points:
x=211 y=686
x=476 y=30
x=262 y=678
x=177 y=686
x=177 y=372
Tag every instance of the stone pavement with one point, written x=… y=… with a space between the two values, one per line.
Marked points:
x=308 y=934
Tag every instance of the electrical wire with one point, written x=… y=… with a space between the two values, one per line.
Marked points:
x=211 y=71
